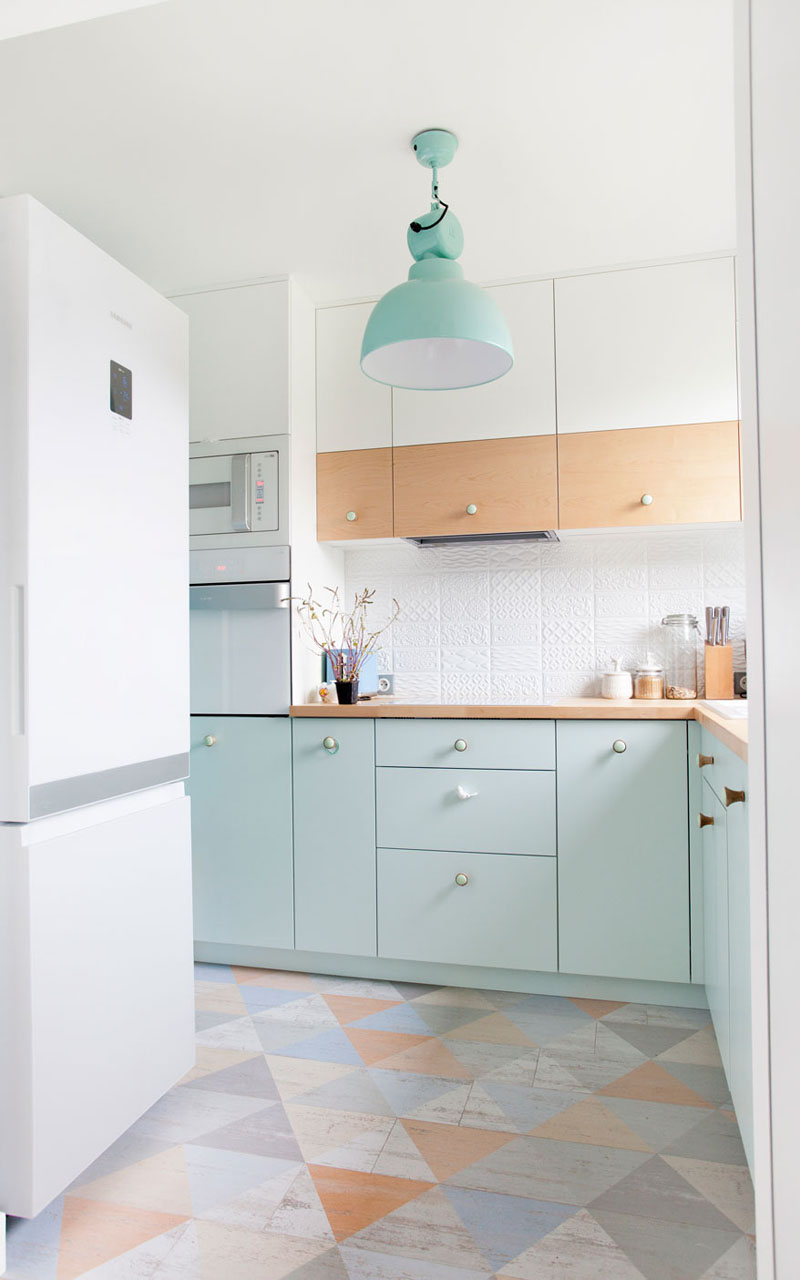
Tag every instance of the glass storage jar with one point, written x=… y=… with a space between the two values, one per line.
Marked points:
x=648 y=682
x=680 y=653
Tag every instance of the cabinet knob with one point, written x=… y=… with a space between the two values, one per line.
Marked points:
x=702 y=761
x=463 y=794
x=472 y=510
x=703 y=820
x=733 y=797
x=460 y=744
x=209 y=739
x=646 y=499
x=330 y=745
x=462 y=879
x=619 y=746
x=351 y=515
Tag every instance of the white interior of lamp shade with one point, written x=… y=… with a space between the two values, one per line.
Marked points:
x=437 y=364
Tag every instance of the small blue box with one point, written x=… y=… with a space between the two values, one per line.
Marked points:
x=367 y=677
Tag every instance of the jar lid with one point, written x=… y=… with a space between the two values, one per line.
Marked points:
x=617 y=668
x=650 y=664
x=679 y=620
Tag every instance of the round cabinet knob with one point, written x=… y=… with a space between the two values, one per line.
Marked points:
x=209 y=739
x=619 y=746
x=462 y=879
x=472 y=510
x=353 y=515
x=733 y=797
x=646 y=499
x=460 y=744
x=702 y=761
x=703 y=820
x=330 y=745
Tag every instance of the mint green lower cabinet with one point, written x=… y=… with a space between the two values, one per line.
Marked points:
x=715 y=921
x=623 y=849
x=334 y=836
x=740 y=1077
x=480 y=810
x=504 y=916
x=242 y=830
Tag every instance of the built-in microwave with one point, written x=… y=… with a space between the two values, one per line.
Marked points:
x=238 y=492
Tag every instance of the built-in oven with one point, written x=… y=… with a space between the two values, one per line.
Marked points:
x=238 y=492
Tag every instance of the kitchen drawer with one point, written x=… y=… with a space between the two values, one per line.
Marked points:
x=505 y=915
x=507 y=810
x=490 y=744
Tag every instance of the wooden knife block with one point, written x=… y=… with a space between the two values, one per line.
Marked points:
x=719 y=670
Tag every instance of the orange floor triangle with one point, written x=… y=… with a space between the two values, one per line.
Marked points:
x=281 y=979
x=495 y=1028
x=94 y=1232
x=431 y=1058
x=596 y=1008
x=592 y=1123
x=353 y=1201
x=651 y=1083
x=373 y=1046
x=350 y=1008
x=448 y=1148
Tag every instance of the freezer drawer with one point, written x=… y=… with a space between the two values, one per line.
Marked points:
x=96 y=991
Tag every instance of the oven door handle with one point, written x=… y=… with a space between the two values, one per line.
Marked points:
x=240 y=493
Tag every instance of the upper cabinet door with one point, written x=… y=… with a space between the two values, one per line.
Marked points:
x=238 y=361
x=522 y=403
x=353 y=411
x=646 y=347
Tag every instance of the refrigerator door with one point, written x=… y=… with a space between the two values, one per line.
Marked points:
x=95 y=984
x=94 y=471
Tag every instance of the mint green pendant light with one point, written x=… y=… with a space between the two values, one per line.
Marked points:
x=436 y=331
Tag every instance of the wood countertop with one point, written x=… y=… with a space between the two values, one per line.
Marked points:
x=731 y=732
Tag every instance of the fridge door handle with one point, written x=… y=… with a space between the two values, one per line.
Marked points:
x=240 y=493
x=18 y=625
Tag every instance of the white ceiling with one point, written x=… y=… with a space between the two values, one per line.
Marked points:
x=19 y=17
x=208 y=141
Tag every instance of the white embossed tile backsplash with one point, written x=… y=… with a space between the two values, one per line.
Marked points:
x=525 y=622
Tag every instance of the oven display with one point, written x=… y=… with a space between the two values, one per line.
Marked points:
x=121 y=400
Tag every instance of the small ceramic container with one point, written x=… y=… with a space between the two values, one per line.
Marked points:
x=617 y=683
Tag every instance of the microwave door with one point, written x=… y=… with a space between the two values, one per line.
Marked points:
x=240 y=649
x=219 y=494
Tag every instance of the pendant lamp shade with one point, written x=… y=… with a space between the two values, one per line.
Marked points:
x=436 y=332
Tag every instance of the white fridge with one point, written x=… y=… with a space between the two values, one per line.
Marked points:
x=96 y=1016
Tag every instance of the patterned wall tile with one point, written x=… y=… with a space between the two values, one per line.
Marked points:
x=467 y=660
x=523 y=630
x=418 y=688
x=620 y=604
x=520 y=657
x=569 y=684
x=516 y=688
x=422 y=660
x=467 y=689
x=567 y=643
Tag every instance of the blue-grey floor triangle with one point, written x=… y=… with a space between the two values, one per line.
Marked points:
x=251 y=1079
x=356 y=1091
x=217 y=1175
x=402 y=1017
x=504 y=1226
x=256 y=998
x=264 y=1133
x=213 y=972
x=328 y=1266
x=331 y=1045
x=528 y=1107
x=407 y=1091
x=33 y=1244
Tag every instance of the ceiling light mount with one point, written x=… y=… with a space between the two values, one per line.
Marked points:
x=434 y=148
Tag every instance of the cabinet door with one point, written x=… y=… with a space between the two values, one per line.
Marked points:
x=334 y=814
x=242 y=830
x=715 y=922
x=354 y=494
x=238 y=361
x=521 y=403
x=510 y=483
x=740 y=1077
x=353 y=411
x=646 y=347
x=623 y=857
x=691 y=473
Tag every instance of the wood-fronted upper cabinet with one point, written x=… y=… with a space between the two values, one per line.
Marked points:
x=353 y=411
x=521 y=403
x=475 y=486
x=684 y=474
x=354 y=494
x=238 y=361
x=646 y=347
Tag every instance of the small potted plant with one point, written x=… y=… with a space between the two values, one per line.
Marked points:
x=345 y=637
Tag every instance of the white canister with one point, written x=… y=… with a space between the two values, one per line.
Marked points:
x=617 y=683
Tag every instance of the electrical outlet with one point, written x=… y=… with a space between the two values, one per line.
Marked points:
x=385 y=685
x=740 y=684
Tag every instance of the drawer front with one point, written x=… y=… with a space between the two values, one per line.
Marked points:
x=487 y=744
x=500 y=811
x=504 y=916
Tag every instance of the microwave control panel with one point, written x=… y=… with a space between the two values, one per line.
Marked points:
x=263 y=491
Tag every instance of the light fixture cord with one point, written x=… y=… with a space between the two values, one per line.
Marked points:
x=435 y=201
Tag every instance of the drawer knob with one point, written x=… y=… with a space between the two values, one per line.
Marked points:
x=330 y=745
x=702 y=761
x=619 y=746
x=463 y=794
x=209 y=739
x=472 y=510
x=703 y=820
x=733 y=797
x=462 y=879
x=646 y=499
x=460 y=744
x=351 y=515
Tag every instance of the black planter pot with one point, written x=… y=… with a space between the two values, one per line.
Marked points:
x=347 y=692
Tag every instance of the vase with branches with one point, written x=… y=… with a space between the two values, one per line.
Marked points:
x=347 y=637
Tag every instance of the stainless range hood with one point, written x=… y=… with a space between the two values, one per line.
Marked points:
x=534 y=535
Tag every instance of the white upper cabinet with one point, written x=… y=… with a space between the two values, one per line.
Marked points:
x=647 y=347
x=353 y=412
x=522 y=403
x=238 y=361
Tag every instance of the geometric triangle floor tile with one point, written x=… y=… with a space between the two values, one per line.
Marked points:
x=337 y=1128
